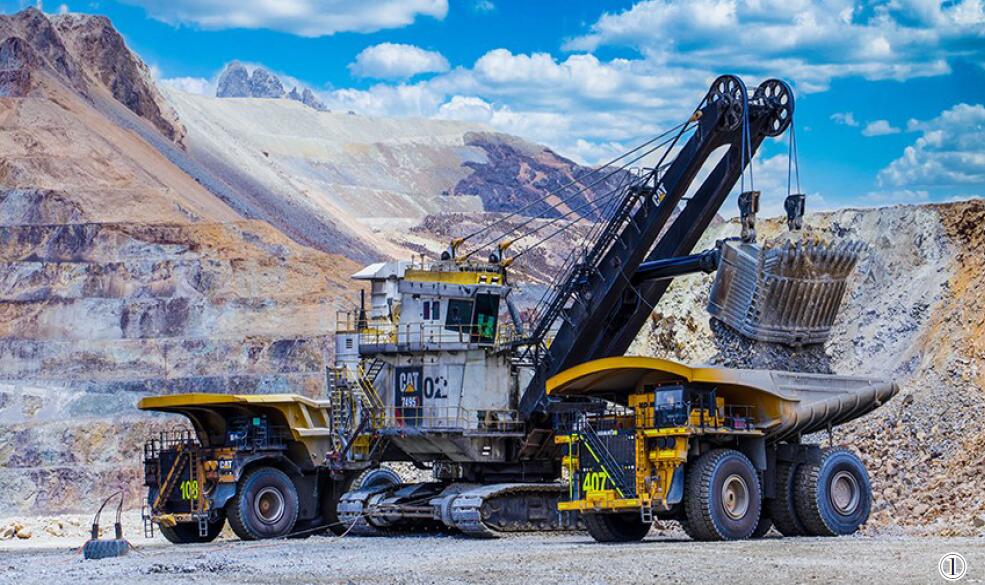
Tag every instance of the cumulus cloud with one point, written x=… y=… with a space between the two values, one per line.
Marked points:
x=195 y=85
x=582 y=106
x=811 y=42
x=845 y=118
x=309 y=18
x=948 y=152
x=879 y=128
x=397 y=61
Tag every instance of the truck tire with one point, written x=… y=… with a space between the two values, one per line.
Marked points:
x=187 y=532
x=378 y=477
x=621 y=527
x=782 y=509
x=722 y=497
x=834 y=496
x=265 y=505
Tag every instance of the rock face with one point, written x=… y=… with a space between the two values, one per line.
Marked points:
x=17 y=60
x=263 y=84
x=516 y=174
x=122 y=275
x=88 y=55
x=104 y=55
x=236 y=81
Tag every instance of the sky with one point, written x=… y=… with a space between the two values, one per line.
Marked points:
x=890 y=93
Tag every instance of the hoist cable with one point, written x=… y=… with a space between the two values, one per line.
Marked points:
x=570 y=211
x=573 y=182
x=681 y=127
x=793 y=164
x=571 y=222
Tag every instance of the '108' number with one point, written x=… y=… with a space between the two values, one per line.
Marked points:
x=189 y=489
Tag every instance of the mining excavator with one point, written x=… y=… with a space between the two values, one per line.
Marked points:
x=443 y=370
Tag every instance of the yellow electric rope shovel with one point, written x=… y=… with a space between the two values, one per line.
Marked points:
x=97 y=548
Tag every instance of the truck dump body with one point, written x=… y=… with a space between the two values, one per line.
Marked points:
x=307 y=421
x=786 y=404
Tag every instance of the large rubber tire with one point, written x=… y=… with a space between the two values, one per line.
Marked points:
x=834 y=496
x=187 y=533
x=782 y=509
x=622 y=527
x=265 y=505
x=378 y=477
x=722 y=497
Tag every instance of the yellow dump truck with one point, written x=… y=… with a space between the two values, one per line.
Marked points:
x=716 y=449
x=266 y=463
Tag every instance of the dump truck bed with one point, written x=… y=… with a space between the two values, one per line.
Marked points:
x=308 y=421
x=786 y=404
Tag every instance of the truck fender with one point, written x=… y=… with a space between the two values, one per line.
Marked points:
x=223 y=493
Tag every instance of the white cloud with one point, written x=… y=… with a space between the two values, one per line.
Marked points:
x=897 y=197
x=879 y=128
x=308 y=18
x=769 y=177
x=948 y=153
x=466 y=109
x=810 y=42
x=63 y=9
x=195 y=85
x=845 y=118
x=580 y=106
x=397 y=61
x=483 y=6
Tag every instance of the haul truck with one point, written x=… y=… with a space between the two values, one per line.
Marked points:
x=443 y=370
x=716 y=449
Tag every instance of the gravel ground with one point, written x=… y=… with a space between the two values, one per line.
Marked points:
x=555 y=559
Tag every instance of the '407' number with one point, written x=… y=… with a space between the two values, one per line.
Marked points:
x=594 y=481
x=189 y=489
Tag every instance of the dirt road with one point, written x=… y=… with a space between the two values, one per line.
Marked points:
x=554 y=559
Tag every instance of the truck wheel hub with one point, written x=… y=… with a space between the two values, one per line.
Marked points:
x=844 y=492
x=735 y=497
x=269 y=505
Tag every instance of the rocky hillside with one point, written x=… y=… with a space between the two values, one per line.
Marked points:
x=914 y=312
x=357 y=185
x=121 y=274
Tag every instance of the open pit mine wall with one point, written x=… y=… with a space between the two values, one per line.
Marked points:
x=96 y=316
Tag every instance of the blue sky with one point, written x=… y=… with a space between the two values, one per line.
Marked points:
x=890 y=92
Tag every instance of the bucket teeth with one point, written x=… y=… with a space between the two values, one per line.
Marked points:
x=783 y=292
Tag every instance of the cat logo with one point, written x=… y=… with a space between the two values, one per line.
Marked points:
x=409 y=388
